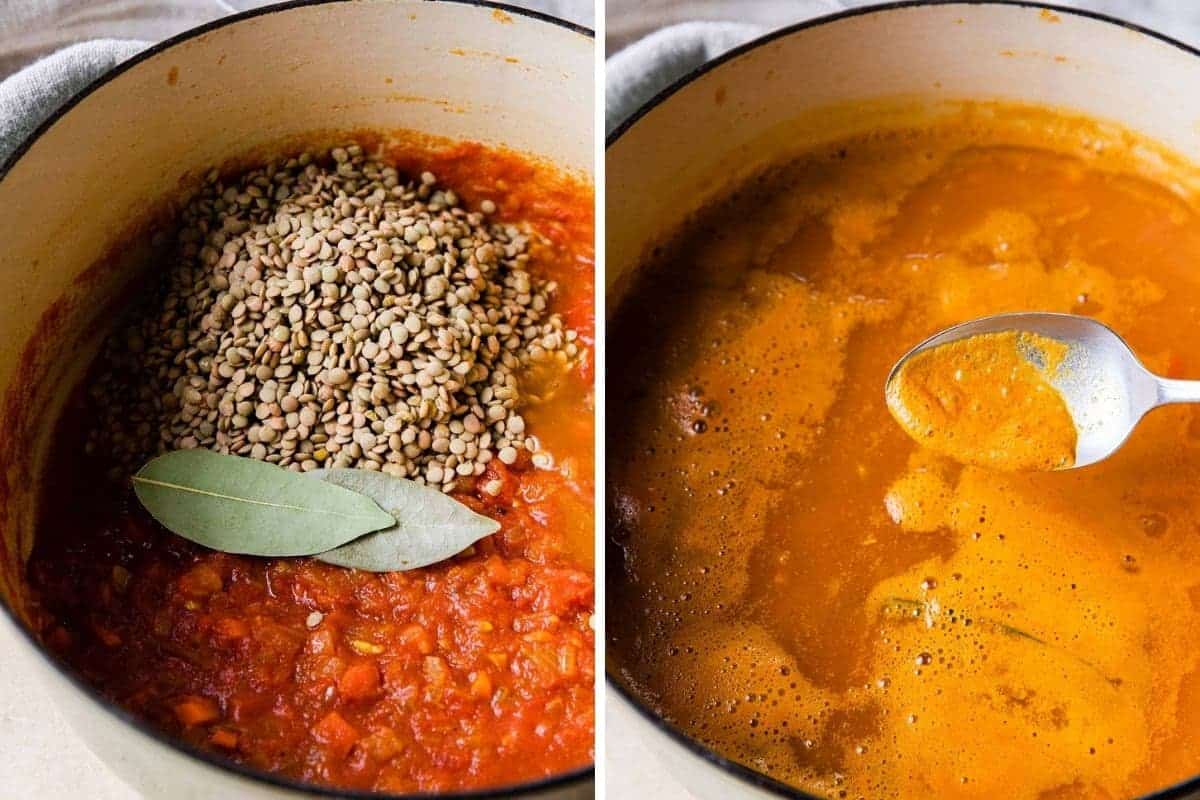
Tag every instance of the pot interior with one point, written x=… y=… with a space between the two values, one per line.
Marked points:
x=871 y=69
x=89 y=189
x=867 y=71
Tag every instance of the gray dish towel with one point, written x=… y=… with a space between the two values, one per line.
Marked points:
x=634 y=75
x=31 y=95
x=639 y=72
x=73 y=42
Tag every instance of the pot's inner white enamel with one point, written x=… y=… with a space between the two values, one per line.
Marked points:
x=811 y=85
x=265 y=85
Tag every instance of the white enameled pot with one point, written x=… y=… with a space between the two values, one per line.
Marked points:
x=243 y=85
x=764 y=101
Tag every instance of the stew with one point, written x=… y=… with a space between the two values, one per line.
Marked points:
x=796 y=583
x=474 y=673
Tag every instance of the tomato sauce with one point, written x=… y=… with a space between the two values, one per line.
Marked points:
x=474 y=673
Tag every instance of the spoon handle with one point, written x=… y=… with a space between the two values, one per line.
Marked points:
x=1171 y=390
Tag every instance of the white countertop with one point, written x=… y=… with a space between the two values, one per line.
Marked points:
x=40 y=757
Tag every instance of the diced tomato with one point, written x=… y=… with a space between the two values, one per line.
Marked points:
x=224 y=738
x=564 y=590
x=200 y=581
x=360 y=681
x=195 y=710
x=338 y=735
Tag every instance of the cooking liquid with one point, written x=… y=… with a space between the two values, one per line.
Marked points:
x=982 y=400
x=796 y=583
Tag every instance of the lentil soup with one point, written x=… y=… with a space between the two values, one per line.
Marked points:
x=797 y=584
x=474 y=673
x=982 y=400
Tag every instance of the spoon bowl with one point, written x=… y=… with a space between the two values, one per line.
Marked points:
x=1103 y=384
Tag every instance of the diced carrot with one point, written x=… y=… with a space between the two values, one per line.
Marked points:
x=418 y=637
x=200 y=581
x=222 y=737
x=360 y=681
x=231 y=628
x=196 y=710
x=338 y=735
x=481 y=686
x=383 y=744
x=109 y=638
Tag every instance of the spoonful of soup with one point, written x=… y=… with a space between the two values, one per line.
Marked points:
x=1026 y=392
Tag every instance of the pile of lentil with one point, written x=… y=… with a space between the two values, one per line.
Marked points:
x=324 y=311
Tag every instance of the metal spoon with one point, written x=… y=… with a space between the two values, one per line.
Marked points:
x=1105 y=387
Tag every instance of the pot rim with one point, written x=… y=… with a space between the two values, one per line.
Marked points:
x=1178 y=791
x=560 y=781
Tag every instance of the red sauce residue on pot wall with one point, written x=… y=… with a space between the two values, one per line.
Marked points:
x=474 y=673
x=22 y=409
x=18 y=420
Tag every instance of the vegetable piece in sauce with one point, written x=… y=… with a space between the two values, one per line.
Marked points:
x=988 y=400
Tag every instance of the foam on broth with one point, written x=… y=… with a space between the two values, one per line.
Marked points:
x=795 y=583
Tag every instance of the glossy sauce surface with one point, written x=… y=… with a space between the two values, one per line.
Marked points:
x=474 y=673
x=983 y=400
x=796 y=583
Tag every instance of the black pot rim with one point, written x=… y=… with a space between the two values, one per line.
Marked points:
x=577 y=777
x=1179 y=791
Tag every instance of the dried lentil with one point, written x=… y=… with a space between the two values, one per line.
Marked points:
x=324 y=311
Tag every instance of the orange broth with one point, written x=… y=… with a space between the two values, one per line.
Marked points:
x=797 y=584
x=981 y=400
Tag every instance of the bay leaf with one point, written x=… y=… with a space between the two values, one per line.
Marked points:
x=430 y=525
x=240 y=505
x=930 y=611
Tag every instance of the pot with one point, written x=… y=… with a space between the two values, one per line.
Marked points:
x=124 y=146
x=834 y=77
